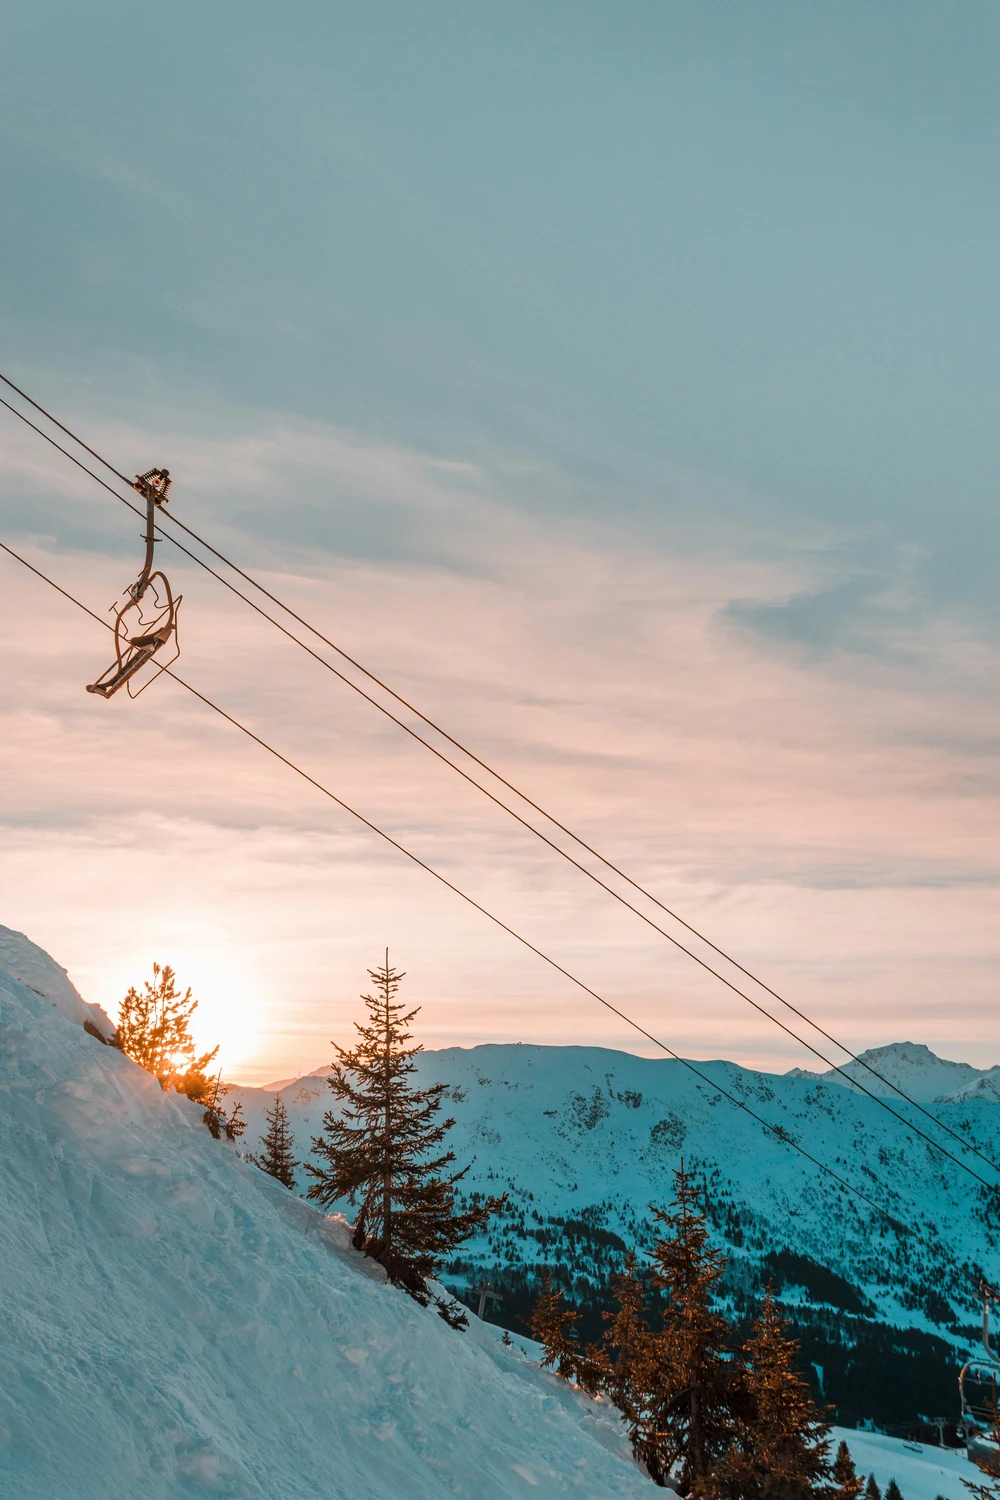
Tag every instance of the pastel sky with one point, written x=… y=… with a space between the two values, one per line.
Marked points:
x=619 y=381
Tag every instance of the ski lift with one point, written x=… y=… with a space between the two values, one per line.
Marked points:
x=147 y=621
x=979 y=1388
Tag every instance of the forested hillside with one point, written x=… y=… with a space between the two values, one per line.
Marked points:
x=583 y=1139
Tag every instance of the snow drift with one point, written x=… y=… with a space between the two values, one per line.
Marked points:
x=175 y=1323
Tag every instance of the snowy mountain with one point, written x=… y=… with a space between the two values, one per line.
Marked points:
x=916 y=1070
x=584 y=1139
x=173 y=1323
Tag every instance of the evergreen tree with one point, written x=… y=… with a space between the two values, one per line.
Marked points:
x=623 y=1346
x=381 y=1152
x=154 y=1029
x=987 y=1491
x=551 y=1323
x=219 y=1122
x=780 y=1448
x=847 y=1485
x=278 y=1142
x=872 y=1491
x=892 y=1491
x=686 y=1421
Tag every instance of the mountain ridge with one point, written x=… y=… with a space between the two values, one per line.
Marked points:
x=584 y=1139
x=913 y=1068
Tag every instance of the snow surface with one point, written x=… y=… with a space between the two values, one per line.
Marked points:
x=174 y=1323
x=25 y=961
x=922 y=1473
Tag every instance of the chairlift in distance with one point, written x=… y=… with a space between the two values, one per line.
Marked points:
x=147 y=620
x=979 y=1389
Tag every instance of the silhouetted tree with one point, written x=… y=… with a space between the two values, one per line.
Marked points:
x=154 y=1029
x=847 y=1484
x=381 y=1152
x=872 y=1491
x=278 y=1142
x=221 y=1123
x=686 y=1424
x=989 y=1491
x=552 y=1324
x=779 y=1447
x=623 y=1349
x=892 y=1491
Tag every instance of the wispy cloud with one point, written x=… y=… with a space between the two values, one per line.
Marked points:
x=797 y=754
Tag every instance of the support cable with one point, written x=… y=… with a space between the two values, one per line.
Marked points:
x=505 y=807
x=777 y=1131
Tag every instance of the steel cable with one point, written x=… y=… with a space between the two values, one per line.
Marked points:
x=777 y=1131
x=530 y=827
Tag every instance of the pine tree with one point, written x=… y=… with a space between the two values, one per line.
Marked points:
x=686 y=1419
x=989 y=1491
x=872 y=1491
x=380 y=1152
x=623 y=1345
x=847 y=1485
x=219 y=1122
x=551 y=1324
x=780 y=1447
x=154 y=1029
x=278 y=1142
x=892 y=1491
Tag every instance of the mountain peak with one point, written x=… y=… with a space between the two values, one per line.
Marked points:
x=910 y=1066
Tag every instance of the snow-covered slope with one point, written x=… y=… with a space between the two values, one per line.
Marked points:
x=584 y=1139
x=922 y=1473
x=915 y=1069
x=986 y=1086
x=173 y=1323
x=24 y=961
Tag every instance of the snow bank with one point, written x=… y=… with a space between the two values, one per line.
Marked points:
x=173 y=1323
x=24 y=961
x=922 y=1473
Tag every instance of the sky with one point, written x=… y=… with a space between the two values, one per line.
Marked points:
x=618 y=382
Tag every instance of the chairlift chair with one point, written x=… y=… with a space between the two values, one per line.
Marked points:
x=979 y=1389
x=147 y=620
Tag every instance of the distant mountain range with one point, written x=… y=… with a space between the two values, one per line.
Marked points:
x=583 y=1139
x=917 y=1071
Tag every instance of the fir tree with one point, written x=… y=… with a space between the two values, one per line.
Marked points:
x=278 y=1142
x=551 y=1324
x=154 y=1029
x=892 y=1491
x=686 y=1421
x=381 y=1152
x=780 y=1448
x=872 y=1491
x=623 y=1346
x=987 y=1491
x=847 y=1484
x=219 y=1122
